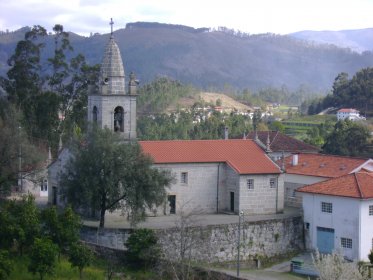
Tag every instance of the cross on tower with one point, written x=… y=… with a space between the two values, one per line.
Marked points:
x=111 y=23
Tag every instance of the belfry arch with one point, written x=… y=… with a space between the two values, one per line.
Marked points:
x=118 y=119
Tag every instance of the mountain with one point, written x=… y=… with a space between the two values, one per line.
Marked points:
x=214 y=59
x=359 y=40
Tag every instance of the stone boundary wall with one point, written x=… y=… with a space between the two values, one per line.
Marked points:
x=217 y=243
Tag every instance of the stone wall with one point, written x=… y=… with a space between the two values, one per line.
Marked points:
x=218 y=243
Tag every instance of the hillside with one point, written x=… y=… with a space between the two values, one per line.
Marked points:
x=359 y=40
x=214 y=59
x=227 y=102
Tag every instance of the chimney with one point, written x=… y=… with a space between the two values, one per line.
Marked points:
x=226 y=133
x=295 y=160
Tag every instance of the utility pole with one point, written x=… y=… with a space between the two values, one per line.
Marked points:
x=238 y=242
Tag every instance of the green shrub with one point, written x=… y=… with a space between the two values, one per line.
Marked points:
x=143 y=249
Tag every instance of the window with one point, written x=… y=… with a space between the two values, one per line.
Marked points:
x=346 y=243
x=44 y=185
x=370 y=210
x=272 y=183
x=326 y=207
x=250 y=184
x=184 y=178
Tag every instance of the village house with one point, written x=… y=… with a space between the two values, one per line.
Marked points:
x=349 y=114
x=304 y=169
x=278 y=145
x=214 y=176
x=338 y=215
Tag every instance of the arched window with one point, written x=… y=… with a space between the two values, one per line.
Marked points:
x=118 y=119
x=94 y=114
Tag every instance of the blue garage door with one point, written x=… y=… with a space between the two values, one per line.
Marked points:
x=325 y=240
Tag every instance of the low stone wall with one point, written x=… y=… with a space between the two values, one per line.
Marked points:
x=217 y=243
x=258 y=240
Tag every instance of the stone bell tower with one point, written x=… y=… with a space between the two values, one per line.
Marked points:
x=112 y=106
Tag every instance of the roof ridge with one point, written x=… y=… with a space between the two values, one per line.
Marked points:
x=273 y=140
x=358 y=186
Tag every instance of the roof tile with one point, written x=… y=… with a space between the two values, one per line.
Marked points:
x=322 y=165
x=355 y=185
x=245 y=156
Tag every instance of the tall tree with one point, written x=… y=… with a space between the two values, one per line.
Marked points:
x=348 y=138
x=106 y=174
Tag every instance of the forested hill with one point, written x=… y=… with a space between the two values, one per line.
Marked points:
x=213 y=59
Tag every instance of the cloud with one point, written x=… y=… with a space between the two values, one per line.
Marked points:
x=252 y=16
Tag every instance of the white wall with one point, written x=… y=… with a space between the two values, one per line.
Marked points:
x=344 y=220
x=366 y=230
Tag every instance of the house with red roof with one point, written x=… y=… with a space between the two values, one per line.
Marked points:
x=349 y=114
x=277 y=144
x=213 y=176
x=304 y=169
x=338 y=215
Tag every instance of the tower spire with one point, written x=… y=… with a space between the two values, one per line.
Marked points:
x=111 y=23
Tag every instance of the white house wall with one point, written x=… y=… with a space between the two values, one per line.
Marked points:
x=344 y=219
x=366 y=229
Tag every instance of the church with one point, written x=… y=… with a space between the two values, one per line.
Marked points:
x=210 y=176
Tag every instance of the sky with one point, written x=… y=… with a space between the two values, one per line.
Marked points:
x=249 y=16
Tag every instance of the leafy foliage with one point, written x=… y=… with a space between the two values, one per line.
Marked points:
x=6 y=265
x=80 y=256
x=62 y=229
x=348 y=138
x=107 y=174
x=43 y=257
x=156 y=96
x=143 y=249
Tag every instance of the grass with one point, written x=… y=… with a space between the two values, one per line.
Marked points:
x=64 y=271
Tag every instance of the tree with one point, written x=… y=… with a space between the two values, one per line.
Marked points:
x=62 y=229
x=6 y=265
x=348 y=138
x=26 y=218
x=143 y=249
x=106 y=174
x=335 y=267
x=80 y=256
x=43 y=257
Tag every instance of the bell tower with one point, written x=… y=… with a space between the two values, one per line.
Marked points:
x=112 y=106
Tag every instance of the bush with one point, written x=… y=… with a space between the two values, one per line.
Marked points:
x=143 y=249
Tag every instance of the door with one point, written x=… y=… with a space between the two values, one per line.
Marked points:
x=232 y=201
x=325 y=240
x=172 y=203
x=54 y=195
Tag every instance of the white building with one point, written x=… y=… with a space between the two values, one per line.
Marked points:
x=350 y=114
x=338 y=215
x=304 y=169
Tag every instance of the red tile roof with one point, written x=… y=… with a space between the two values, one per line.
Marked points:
x=348 y=110
x=244 y=156
x=280 y=142
x=322 y=165
x=356 y=185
